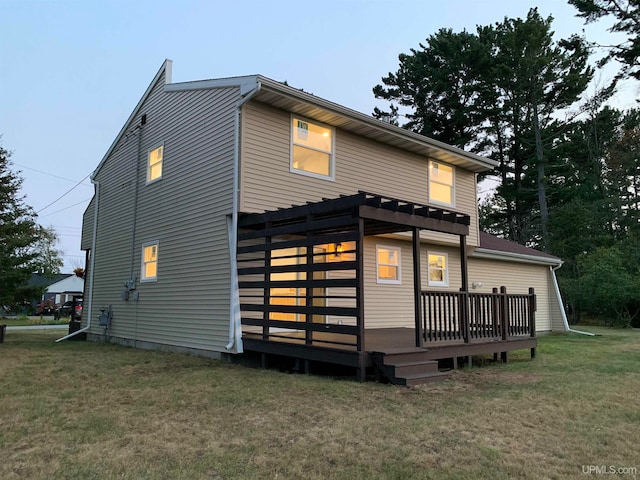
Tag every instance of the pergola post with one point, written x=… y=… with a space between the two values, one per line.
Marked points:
x=463 y=263
x=361 y=374
x=417 y=287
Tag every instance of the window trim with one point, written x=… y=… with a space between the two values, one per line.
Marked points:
x=332 y=155
x=453 y=183
x=148 y=181
x=386 y=281
x=435 y=283
x=143 y=278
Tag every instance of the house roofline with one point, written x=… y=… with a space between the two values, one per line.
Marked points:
x=483 y=163
x=374 y=128
x=514 y=257
x=166 y=70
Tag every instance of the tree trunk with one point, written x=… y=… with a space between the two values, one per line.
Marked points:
x=542 y=182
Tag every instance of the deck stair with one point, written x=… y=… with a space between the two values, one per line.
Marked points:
x=407 y=366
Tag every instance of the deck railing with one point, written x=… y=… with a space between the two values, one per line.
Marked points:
x=465 y=316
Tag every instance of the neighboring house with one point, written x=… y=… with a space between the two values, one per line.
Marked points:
x=241 y=214
x=43 y=282
x=65 y=289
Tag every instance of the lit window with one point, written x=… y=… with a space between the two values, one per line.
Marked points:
x=311 y=149
x=154 y=164
x=149 y=262
x=438 y=269
x=388 y=264
x=441 y=183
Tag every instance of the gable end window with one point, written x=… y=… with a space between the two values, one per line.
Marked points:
x=312 y=149
x=438 y=264
x=149 y=271
x=441 y=183
x=154 y=164
x=388 y=264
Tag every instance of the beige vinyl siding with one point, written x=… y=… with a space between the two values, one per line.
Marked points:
x=185 y=212
x=360 y=164
x=517 y=277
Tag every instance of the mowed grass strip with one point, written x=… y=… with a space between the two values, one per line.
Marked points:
x=88 y=410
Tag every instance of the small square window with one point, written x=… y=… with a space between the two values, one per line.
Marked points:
x=438 y=264
x=388 y=264
x=311 y=149
x=441 y=183
x=154 y=164
x=149 y=268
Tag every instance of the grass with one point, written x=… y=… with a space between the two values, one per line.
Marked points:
x=80 y=410
x=23 y=320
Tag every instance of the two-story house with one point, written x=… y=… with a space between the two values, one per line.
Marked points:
x=241 y=214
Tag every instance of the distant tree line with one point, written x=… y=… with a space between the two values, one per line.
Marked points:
x=568 y=165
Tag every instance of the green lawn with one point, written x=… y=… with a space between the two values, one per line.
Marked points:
x=79 y=410
x=23 y=320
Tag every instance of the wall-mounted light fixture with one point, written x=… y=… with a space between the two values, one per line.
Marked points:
x=339 y=249
x=476 y=285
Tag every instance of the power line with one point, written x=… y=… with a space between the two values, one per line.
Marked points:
x=65 y=208
x=64 y=194
x=52 y=175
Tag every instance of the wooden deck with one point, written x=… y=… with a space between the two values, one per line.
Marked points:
x=388 y=352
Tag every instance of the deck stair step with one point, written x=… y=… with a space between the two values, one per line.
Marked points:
x=407 y=366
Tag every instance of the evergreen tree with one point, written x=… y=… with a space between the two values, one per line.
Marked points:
x=19 y=239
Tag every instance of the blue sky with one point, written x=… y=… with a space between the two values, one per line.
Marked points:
x=71 y=71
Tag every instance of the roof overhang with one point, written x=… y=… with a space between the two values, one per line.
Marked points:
x=293 y=100
x=485 y=253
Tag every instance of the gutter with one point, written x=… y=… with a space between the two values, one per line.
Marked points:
x=235 y=320
x=91 y=267
x=480 y=252
x=552 y=270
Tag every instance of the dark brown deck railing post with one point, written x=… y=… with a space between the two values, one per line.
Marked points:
x=532 y=317
x=417 y=288
x=463 y=311
x=309 y=277
x=504 y=319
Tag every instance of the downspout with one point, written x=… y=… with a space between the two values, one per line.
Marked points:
x=559 y=298
x=91 y=267
x=235 y=320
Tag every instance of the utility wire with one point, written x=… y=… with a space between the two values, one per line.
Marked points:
x=65 y=208
x=52 y=175
x=64 y=194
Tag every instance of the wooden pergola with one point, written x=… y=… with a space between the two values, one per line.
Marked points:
x=330 y=221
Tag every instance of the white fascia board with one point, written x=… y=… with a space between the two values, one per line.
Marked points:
x=245 y=83
x=513 y=257
x=165 y=69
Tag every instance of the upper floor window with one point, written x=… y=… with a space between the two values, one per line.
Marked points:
x=154 y=164
x=388 y=264
x=311 y=149
x=438 y=269
x=149 y=262
x=441 y=186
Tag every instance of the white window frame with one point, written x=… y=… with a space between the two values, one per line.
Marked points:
x=148 y=164
x=332 y=163
x=453 y=183
x=435 y=283
x=398 y=250
x=143 y=277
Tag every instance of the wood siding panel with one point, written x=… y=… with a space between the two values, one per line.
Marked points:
x=360 y=164
x=185 y=211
